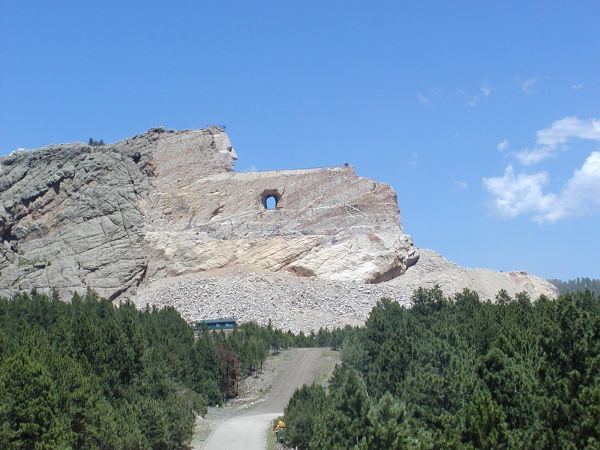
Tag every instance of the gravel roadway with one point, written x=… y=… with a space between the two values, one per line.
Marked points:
x=248 y=430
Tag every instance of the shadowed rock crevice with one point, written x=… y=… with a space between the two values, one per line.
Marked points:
x=6 y=234
x=394 y=271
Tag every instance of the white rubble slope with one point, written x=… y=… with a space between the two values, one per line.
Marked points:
x=303 y=304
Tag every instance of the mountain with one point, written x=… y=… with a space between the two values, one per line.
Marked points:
x=166 y=208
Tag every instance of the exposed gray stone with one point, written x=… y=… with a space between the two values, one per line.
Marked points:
x=146 y=216
x=71 y=219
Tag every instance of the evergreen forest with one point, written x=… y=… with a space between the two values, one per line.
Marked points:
x=577 y=284
x=458 y=373
x=92 y=375
x=449 y=372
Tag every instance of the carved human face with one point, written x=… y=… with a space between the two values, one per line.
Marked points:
x=223 y=145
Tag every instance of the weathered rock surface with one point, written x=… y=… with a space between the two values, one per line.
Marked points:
x=70 y=218
x=163 y=217
x=168 y=203
x=328 y=223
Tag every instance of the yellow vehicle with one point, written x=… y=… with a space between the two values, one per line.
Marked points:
x=279 y=429
x=278 y=424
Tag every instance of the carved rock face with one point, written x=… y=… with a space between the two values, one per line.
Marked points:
x=168 y=203
x=164 y=218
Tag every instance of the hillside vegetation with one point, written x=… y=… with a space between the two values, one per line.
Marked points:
x=456 y=373
x=577 y=284
x=91 y=375
x=447 y=373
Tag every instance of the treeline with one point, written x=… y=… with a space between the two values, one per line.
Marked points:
x=91 y=375
x=577 y=284
x=458 y=373
x=95 y=143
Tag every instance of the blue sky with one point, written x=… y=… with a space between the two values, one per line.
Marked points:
x=484 y=116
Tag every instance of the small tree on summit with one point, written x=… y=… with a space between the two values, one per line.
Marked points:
x=95 y=143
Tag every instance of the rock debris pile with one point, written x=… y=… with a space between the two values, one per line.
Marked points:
x=290 y=302
x=304 y=304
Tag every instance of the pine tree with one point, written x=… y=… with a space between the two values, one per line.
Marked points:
x=484 y=423
x=29 y=412
x=388 y=428
x=348 y=420
x=303 y=414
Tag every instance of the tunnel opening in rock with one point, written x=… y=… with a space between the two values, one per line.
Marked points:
x=271 y=202
x=270 y=199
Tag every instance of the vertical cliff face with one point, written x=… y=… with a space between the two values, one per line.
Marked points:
x=69 y=218
x=167 y=203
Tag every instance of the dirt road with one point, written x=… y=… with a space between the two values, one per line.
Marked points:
x=248 y=430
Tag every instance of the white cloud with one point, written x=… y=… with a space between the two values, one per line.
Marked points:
x=581 y=194
x=502 y=145
x=518 y=194
x=460 y=185
x=514 y=195
x=423 y=100
x=569 y=127
x=528 y=157
x=551 y=140
x=577 y=87
x=486 y=90
x=528 y=84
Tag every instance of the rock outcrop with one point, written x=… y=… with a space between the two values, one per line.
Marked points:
x=70 y=218
x=147 y=216
x=168 y=203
